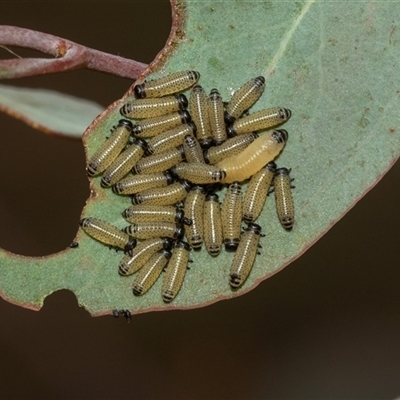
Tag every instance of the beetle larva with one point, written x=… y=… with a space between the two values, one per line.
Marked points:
x=193 y=209
x=141 y=254
x=243 y=98
x=149 y=230
x=231 y=216
x=124 y=163
x=259 y=153
x=198 y=108
x=154 y=126
x=150 y=272
x=198 y=173
x=216 y=116
x=170 y=138
x=107 y=234
x=245 y=255
x=148 y=108
x=229 y=148
x=192 y=149
x=212 y=225
x=165 y=196
x=259 y=120
x=145 y=213
x=256 y=193
x=172 y=83
x=138 y=183
x=284 y=197
x=110 y=149
x=160 y=162
x=175 y=272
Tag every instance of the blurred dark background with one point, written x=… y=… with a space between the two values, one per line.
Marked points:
x=326 y=327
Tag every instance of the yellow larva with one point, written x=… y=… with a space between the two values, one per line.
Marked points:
x=150 y=272
x=229 y=148
x=259 y=120
x=124 y=163
x=170 y=138
x=154 y=126
x=141 y=254
x=259 y=153
x=198 y=173
x=160 y=162
x=107 y=234
x=193 y=209
x=212 y=225
x=284 y=198
x=243 y=98
x=256 y=192
x=164 y=196
x=148 y=108
x=245 y=255
x=172 y=83
x=216 y=116
x=110 y=149
x=145 y=213
x=150 y=230
x=192 y=149
x=231 y=216
x=198 y=108
x=175 y=272
x=138 y=183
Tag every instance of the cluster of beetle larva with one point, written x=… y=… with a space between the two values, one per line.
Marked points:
x=191 y=149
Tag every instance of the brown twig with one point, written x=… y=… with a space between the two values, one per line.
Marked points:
x=68 y=56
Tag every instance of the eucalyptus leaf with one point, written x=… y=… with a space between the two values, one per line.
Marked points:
x=331 y=63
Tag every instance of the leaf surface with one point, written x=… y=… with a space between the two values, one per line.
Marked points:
x=331 y=63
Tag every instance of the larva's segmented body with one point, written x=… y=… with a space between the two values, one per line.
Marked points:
x=193 y=151
x=150 y=230
x=107 y=233
x=198 y=173
x=193 y=209
x=138 y=183
x=243 y=98
x=175 y=271
x=259 y=153
x=165 y=196
x=198 y=109
x=229 y=148
x=216 y=116
x=231 y=216
x=160 y=162
x=150 y=272
x=144 y=213
x=259 y=120
x=150 y=127
x=245 y=255
x=170 y=139
x=148 y=108
x=110 y=149
x=141 y=254
x=284 y=197
x=257 y=191
x=124 y=163
x=212 y=225
x=169 y=84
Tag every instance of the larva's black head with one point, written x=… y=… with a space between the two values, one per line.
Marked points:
x=284 y=114
x=213 y=187
x=186 y=184
x=231 y=244
x=167 y=243
x=131 y=245
x=260 y=79
x=280 y=135
x=136 y=129
x=141 y=142
x=198 y=188
x=229 y=128
x=205 y=156
x=206 y=142
x=185 y=116
x=214 y=94
x=84 y=222
x=197 y=88
x=282 y=171
x=125 y=124
x=212 y=197
x=192 y=127
x=166 y=253
x=182 y=101
x=179 y=215
x=140 y=91
x=170 y=177
x=172 y=173
x=252 y=227
x=183 y=245
x=271 y=166
x=179 y=232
